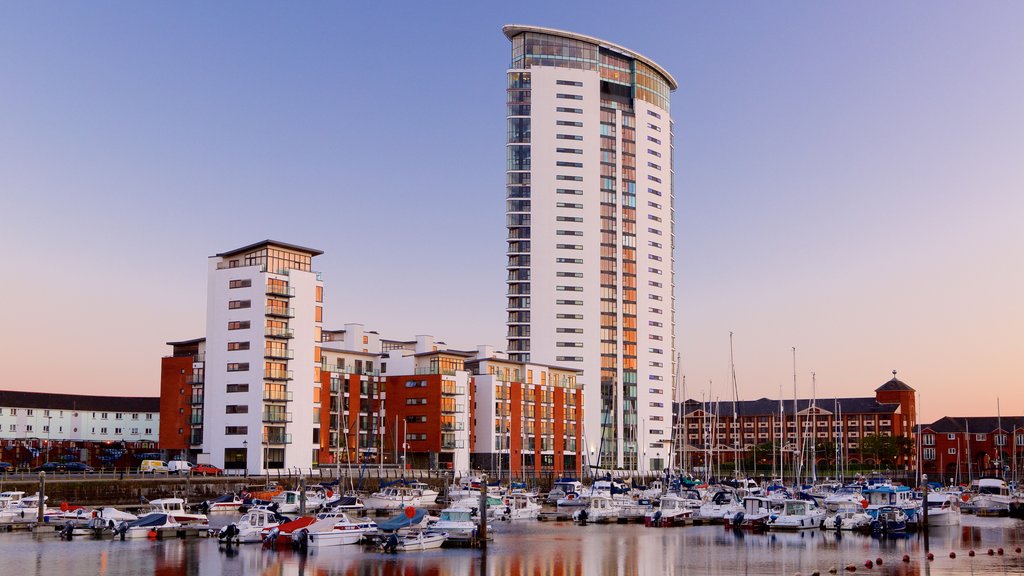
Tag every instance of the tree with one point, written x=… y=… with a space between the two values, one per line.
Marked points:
x=886 y=449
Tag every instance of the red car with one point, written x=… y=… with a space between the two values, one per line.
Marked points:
x=206 y=470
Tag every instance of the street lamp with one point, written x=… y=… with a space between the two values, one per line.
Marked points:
x=245 y=457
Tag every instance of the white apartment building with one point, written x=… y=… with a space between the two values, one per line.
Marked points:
x=590 y=217
x=263 y=329
x=43 y=417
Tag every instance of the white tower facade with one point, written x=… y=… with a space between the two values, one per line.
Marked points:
x=590 y=217
x=263 y=330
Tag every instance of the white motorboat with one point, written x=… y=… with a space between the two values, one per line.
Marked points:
x=226 y=503
x=457 y=522
x=992 y=497
x=846 y=515
x=427 y=494
x=287 y=501
x=721 y=505
x=758 y=512
x=672 y=510
x=561 y=491
x=393 y=498
x=944 y=509
x=798 y=515
x=518 y=506
x=419 y=540
x=146 y=525
x=175 y=507
x=601 y=508
x=322 y=534
x=249 y=528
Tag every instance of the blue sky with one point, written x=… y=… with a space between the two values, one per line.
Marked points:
x=848 y=180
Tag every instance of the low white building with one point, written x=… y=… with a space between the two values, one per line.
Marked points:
x=42 y=417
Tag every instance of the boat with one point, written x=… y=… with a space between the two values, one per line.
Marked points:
x=414 y=541
x=249 y=528
x=756 y=515
x=561 y=491
x=601 y=508
x=880 y=495
x=457 y=522
x=518 y=506
x=427 y=494
x=281 y=534
x=393 y=498
x=721 y=505
x=146 y=526
x=322 y=533
x=672 y=510
x=175 y=507
x=846 y=515
x=889 y=519
x=943 y=509
x=227 y=503
x=991 y=497
x=798 y=514
x=287 y=501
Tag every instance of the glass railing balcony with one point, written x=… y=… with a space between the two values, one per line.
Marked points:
x=277 y=396
x=280 y=311
x=195 y=419
x=276 y=290
x=452 y=409
x=452 y=426
x=194 y=379
x=452 y=390
x=196 y=399
x=277 y=439
x=196 y=437
x=452 y=444
x=277 y=374
x=280 y=353
x=280 y=333
x=433 y=370
x=336 y=369
x=277 y=417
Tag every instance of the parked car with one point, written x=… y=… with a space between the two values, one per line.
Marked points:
x=153 y=466
x=6 y=467
x=206 y=470
x=179 y=466
x=50 y=467
x=77 y=467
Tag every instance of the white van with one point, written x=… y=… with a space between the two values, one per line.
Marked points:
x=179 y=467
x=153 y=466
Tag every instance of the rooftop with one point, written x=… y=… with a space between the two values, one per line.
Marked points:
x=512 y=30
x=285 y=245
x=46 y=400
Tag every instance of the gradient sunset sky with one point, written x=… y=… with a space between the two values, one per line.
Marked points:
x=849 y=180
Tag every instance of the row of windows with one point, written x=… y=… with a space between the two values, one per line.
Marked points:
x=103 y=415
x=569 y=110
x=117 y=431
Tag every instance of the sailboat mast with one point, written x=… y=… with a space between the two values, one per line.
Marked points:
x=814 y=429
x=797 y=454
x=777 y=445
x=737 y=461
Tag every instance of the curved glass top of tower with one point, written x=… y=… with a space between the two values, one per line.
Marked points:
x=536 y=46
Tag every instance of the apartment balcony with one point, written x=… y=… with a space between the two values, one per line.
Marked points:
x=433 y=370
x=456 y=409
x=338 y=369
x=195 y=438
x=284 y=333
x=452 y=426
x=277 y=439
x=452 y=444
x=196 y=419
x=277 y=396
x=277 y=374
x=279 y=353
x=196 y=399
x=283 y=291
x=452 y=390
x=194 y=379
x=277 y=417
x=280 y=312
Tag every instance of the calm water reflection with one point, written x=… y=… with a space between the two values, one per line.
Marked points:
x=541 y=549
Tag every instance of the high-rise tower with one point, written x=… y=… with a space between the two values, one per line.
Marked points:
x=590 y=213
